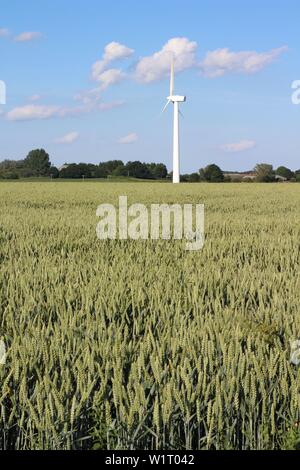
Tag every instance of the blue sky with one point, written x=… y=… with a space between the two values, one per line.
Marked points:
x=87 y=80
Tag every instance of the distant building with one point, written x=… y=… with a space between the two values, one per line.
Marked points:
x=249 y=176
x=280 y=179
x=63 y=167
x=236 y=176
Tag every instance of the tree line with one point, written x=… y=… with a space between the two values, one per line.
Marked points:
x=262 y=173
x=38 y=164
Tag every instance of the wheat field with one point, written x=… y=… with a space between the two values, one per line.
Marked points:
x=140 y=344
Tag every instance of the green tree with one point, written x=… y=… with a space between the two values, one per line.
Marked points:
x=120 y=171
x=70 y=172
x=11 y=164
x=138 y=170
x=97 y=171
x=194 y=178
x=76 y=171
x=184 y=178
x=38 y=162
x=11 y=169
x=84 y=170
x=212 y=174
x=264 y=173
x=158 y=170
x=10 y=175
x=53 y=172
x=110 y=166
x=285 y=172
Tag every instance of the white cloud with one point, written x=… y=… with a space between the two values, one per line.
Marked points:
x=4 y=32
x=184 y=52
x=157 y=66
x=113 y=51
x=110 y=77
x=34 y=98
x=28 y=36
x=148 y=69
x=31 y=112
x=88 y=97
x=239 y=146
x=129 y=139
x=111 y=105
x=116 y=51
x=73 y=111
x=92 y=99
x=97 y=68
x=68 y=138
x=221 y=61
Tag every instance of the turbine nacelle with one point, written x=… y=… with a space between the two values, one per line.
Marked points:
x=176 y=99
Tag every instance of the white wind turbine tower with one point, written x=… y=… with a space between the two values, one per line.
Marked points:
x=175 y=99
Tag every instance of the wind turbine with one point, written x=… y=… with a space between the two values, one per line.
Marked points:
x=175 y=99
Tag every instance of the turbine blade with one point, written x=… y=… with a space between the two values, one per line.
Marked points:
x=168 y=102
x=181 y=114
x=172 y=78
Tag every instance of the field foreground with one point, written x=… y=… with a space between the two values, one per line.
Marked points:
x=140 y=344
